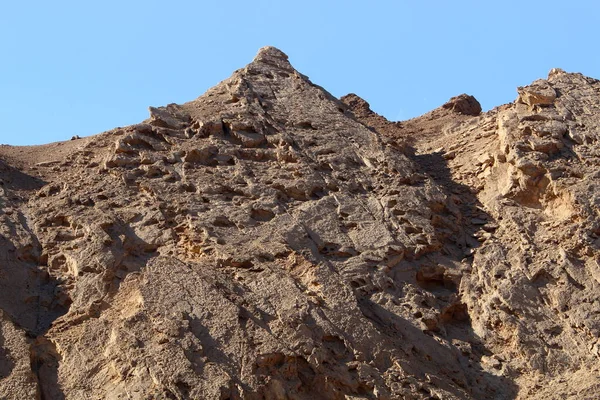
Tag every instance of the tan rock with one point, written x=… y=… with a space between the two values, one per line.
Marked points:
x=540 y=93
x=268 y=241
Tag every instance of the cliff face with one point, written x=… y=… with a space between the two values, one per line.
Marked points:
x=268 y=241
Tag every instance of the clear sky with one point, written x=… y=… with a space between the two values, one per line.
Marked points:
x=82 y=67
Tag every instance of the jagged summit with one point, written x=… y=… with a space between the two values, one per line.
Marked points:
x=268 y=241
x=270 y=58
x=270 y=53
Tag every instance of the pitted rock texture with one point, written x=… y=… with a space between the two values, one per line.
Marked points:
x=531 y=285
x=268 y=241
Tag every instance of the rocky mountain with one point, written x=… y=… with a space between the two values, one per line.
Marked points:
x=269 y=241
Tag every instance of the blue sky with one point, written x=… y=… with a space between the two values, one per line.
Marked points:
x=80 y=68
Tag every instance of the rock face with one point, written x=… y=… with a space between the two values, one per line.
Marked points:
x=268 y=241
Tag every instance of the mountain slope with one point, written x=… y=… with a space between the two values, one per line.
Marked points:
x=268 y=241
x=532 y=285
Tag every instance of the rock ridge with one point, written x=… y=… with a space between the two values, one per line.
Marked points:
x=269 y=241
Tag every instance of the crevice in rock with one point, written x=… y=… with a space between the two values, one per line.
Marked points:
x=30 y=297
x=45 y=361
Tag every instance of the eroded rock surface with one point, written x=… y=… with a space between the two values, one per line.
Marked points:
x=531 y=285
x=268 y=241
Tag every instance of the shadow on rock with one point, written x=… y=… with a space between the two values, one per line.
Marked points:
x=453 y=369
x=29 y=296
x=6 y=362
x=473 y=220
x=449 y=348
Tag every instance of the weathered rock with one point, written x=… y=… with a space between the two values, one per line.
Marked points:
x=540 y=93
x=533 y=167
x=464 y=104
x=268 y=241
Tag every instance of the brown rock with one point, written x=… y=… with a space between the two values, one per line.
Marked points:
x=540 y=93
x=464 y=104
x=268 y=241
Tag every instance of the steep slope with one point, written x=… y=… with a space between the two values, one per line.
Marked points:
x=532 y=285
x=255 y=243
x=268 y=241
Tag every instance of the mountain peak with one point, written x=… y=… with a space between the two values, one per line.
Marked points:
x=270 y=52
x=272 y=57
x=257 y=242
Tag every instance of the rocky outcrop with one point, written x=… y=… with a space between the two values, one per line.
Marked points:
x=529 y=287
x=268 y=241
x=464 y=104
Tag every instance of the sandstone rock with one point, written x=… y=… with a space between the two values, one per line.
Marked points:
x=268 y=241
x=540 y=93
x=464 y=104
x=534 y=210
